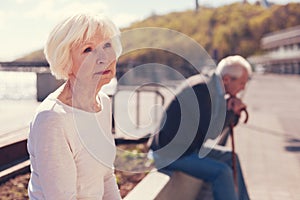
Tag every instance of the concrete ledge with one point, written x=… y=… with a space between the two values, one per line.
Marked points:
x=158 y=186
x=15 y=136
x=149 y=187
x=181 y=186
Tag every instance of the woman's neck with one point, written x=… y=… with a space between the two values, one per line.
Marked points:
x=79 y=97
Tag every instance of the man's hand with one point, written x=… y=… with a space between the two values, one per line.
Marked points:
x=236 y=105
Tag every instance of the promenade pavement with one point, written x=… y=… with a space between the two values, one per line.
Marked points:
x=269 y=144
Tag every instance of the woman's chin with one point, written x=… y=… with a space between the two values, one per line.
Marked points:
x=103 y=82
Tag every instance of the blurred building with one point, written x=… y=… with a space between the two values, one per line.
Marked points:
x=282 y=52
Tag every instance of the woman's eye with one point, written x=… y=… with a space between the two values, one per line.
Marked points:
x=107 y=45
x=86 y=50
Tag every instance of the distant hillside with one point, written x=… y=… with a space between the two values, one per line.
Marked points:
x=235 y=28
x=34 y=56
x=230 y=29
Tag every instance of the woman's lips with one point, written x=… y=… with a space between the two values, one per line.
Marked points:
x=103 y=72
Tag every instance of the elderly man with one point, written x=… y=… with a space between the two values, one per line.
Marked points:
x=201 y=110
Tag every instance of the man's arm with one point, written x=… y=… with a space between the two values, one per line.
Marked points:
x=233 y=113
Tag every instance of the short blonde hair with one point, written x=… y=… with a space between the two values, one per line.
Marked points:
x=77 y=29
x=233 y=66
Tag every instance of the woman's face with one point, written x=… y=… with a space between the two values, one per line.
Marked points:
x=94 y=62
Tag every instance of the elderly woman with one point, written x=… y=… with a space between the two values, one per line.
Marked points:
x=70 y=142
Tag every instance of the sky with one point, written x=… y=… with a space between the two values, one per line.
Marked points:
x=25 y=24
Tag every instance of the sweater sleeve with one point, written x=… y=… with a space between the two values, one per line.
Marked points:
x=53 y=158
x=111 y=191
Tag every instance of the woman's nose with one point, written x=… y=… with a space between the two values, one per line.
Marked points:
x=101 y=56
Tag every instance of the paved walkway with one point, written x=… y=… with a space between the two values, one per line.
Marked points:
x=269 y=145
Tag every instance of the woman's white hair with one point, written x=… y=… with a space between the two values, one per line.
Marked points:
x=76 y=29
x=233 y=66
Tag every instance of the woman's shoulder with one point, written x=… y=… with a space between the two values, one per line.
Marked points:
x=49 y=111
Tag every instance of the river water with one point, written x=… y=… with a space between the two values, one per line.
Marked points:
x=17 y=100
x=18 y=104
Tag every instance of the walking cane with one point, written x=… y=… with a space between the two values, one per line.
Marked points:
x=233 y=150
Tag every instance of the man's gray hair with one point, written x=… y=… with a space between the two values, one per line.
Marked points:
x=233 y=66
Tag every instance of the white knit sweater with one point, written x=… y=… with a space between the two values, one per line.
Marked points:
x=71 y=152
